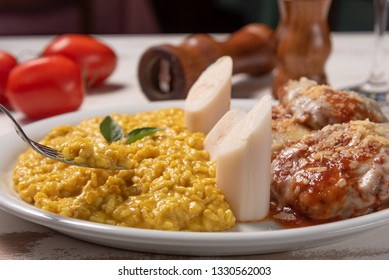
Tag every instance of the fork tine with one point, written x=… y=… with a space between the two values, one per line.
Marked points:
x=44 y=151
x=55 y=154
x=50 y=151
x=45 y=148
x=40 y=146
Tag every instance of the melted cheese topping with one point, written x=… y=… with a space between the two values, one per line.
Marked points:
x=338 y=171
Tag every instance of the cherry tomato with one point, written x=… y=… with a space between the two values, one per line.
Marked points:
x=96 y=60
x=7 y=62
x=45 y=86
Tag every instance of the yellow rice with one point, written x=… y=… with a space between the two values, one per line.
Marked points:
x=169 y=184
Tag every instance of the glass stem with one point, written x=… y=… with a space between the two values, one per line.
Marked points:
x=377 y=75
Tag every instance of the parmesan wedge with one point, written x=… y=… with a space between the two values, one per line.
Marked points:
x=209 y=97
x=221 y=129
x=243 y=170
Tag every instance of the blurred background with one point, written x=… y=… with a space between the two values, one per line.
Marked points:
x=44 y=17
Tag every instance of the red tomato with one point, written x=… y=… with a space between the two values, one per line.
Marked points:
x=7 y=62
x=96 y=60
x=45 y=87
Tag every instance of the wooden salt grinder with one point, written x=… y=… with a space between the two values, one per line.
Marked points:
x=167 y=71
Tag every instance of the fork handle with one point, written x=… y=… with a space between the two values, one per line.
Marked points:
x=16 y=125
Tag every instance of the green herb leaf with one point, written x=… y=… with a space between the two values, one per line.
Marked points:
x=139 y=133
x=111 y=130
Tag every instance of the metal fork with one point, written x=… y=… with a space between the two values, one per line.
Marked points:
x=47 y=151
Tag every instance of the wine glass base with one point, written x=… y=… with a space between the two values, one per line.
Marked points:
x=381 y=95
x=378 y=95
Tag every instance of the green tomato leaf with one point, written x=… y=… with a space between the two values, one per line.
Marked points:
x=139 y=133
x=111 y=130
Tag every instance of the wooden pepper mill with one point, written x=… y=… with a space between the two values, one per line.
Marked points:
x=167 y=71
x=303 y=41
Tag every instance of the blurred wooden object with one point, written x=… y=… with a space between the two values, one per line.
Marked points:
x=168 y=72
x=303 y=41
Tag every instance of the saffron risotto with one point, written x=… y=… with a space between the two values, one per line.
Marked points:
x=169 y=183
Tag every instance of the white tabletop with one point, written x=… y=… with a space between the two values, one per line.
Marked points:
x=349 y=64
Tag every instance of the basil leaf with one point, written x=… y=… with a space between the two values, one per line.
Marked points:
x=139 y=133
x=111 y=130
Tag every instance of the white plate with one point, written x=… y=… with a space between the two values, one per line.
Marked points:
x=254 y=238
